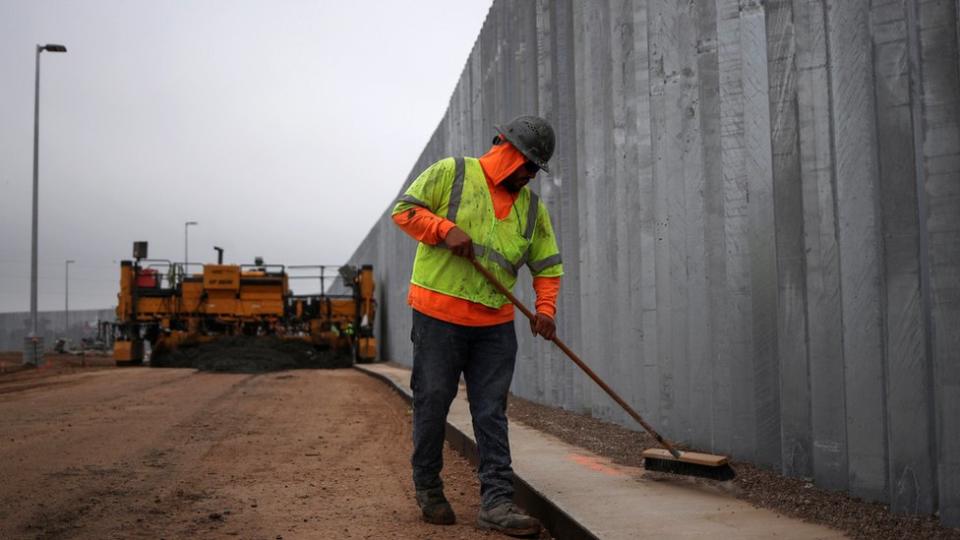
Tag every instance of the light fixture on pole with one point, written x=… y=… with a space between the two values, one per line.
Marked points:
x=186 y=253
x=33 y=345
x=66 y=297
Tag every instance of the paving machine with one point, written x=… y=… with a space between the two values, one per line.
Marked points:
x=166 y=305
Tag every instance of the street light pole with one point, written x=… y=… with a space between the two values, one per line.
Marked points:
x=66 y=297
x=186 y=252
x=34 y=345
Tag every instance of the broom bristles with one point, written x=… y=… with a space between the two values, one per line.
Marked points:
x=722 y=472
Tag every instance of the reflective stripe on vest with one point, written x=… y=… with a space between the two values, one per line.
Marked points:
x=456 y=192
x=543 y=264
x=412 y=200
x=481 y=251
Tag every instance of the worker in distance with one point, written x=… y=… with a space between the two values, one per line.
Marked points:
x=464 y=209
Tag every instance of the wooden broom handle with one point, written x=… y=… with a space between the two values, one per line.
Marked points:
x=576 y=360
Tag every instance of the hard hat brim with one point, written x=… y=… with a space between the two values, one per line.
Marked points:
x=543 y=165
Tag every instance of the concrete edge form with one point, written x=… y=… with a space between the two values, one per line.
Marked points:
x=560 y=524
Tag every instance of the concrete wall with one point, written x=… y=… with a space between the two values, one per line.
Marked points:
x=759 y=209
x=52 y=325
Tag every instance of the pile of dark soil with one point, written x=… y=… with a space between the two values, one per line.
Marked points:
x=249 y=354
x=795 y=497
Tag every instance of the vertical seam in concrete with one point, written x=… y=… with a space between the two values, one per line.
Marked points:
x=804 y=262
x=882 y=277
x=567 y=95
x=828 y=56
x=647 y=266
x=535 y=68
x=917 y=117
x=694 y=281
x=776 y=251
x=708 y=73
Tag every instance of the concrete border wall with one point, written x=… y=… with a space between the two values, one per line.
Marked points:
x=758 y=204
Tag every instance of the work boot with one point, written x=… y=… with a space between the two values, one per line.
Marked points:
x=435 y=507
x=508 y=519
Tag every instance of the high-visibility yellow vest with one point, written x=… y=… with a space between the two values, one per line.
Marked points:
x=456 y=188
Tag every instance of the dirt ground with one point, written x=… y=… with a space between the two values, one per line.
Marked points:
x=92 y=451
x=14 y=376
x=796 y=497
x=176 y=453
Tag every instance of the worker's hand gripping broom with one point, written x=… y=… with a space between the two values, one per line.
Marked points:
x=669 y=459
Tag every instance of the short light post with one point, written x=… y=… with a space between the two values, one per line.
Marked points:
x=66 y=297
x=33 y=345
x=186 y=251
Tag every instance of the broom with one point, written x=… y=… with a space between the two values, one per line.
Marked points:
x=668 y=459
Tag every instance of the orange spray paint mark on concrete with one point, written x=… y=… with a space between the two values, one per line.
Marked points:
x=594 y=464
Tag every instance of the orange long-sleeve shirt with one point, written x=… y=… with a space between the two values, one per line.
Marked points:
x=429 y=228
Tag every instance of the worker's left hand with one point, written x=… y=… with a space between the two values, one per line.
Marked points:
x=544 y=326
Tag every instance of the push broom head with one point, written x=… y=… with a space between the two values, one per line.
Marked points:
x=688 y=464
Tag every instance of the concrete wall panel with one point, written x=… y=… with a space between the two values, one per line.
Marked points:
x=815 y=121
x=909 y=391
x=758 y=208
x=711 y=381
x=939 y=146
x=762 y=238
x=854 y=141
x=792 y=332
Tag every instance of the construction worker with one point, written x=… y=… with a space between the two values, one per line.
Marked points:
x=461 y=209
x=348 y=332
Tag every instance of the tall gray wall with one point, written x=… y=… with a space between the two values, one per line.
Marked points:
x=758 y=204
x=52 y=325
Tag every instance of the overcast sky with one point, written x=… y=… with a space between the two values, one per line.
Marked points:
x=283 y=127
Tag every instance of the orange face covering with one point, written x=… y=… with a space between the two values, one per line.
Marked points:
x=500 y=162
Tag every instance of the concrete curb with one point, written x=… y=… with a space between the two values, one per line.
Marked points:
x=578 y=494
x=561 y=525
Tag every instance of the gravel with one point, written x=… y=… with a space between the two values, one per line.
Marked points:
x=249 y=354
x=795 y=497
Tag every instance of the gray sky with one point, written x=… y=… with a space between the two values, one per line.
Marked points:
x=283 y=127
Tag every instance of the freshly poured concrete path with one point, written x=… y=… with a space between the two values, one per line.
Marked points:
x=617 y=502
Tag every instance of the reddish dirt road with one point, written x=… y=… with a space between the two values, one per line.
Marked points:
x=169 y=453
x=14 y=376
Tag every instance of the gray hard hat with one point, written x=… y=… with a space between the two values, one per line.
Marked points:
x=532 y=136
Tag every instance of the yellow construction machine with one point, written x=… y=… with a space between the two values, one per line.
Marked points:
x=162 y=303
